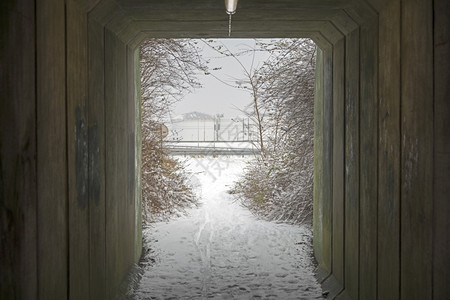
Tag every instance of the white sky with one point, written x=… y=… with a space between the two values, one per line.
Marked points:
x=216 y=97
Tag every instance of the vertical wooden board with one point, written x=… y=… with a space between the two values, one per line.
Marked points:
x=417 y=149
x=318 y=160
x=368 y=160
x=18 y=232
x=131 y=154
x=441 y=191
x=121 y=176
x=116 y=161
x=51 y=150
x=352 y=164
x=389 y=153
x=127 y=227
x=138 y=131
x=138 y=151
x=97 y=152
x=77 y=147
x=327 y=205
x=338 y=160
x=111 y=166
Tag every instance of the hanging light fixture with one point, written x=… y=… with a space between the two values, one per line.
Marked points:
x=230 y=7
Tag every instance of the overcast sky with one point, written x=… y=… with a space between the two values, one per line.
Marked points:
x=216 y=97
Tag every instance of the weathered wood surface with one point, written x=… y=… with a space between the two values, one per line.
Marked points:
x=352 y=158
x=335 y=282
x=368 y=160
x=97 y=153
x=389 y=153
x=441 y=186
x=77 y=147
x=18 y=161
x=327 y=208
x=112 y=171
x=338 y=159
x=318 y=162
x=116 y=145
x=52 y=207
x=416 y=176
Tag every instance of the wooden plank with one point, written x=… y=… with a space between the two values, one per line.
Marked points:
x=138 y=184
x=250 y=5
x=417 y=149
x=131 y=162
x=241 y=29
x=179 y=14
x=327 y=160
x=352 y=164
x=334 y=284
x=338 y=159
x=121 y=176
x=51 y=150
x=116 y=161
x=111 y=166
x=97 y=150
x=389 y=153
x=18 y=260
x=77 y=135
x=318 y=161
x=368 y=160
x=441 y=191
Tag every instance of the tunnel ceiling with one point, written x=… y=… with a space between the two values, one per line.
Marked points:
x=323 y=20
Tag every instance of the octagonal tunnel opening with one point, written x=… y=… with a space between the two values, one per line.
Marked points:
x=227 y=167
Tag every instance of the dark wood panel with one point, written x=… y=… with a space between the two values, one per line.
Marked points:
x=336 y=282
x=327 y=208
x=18 y=230
x=368 y=160
x=352 y=157
x=318 y=162
x=389 y=153
x=77 y=143
x=51 y=150
x=97 y=152
x=116 y=145
x=111 y=166
x=441 y=191
x=417 y=149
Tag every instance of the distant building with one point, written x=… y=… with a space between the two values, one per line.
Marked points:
x=196 y=126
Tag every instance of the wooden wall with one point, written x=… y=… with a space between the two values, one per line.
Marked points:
x=68 y=153
x=390 y=202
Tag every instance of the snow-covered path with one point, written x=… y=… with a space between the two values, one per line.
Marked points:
x=221 y=251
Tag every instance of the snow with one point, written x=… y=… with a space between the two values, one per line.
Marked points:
x=221 y=251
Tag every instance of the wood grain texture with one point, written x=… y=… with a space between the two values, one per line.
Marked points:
x=18 y=152
x=77 y=147
x=441 y=186
x=97 y=153
x=389 y=154
x=368 y=160
x=52 y=207
x=352 y=158
x=416 y=149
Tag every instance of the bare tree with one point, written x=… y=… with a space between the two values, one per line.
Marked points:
x=250 y=82
x=279 y=184
x=169 y=70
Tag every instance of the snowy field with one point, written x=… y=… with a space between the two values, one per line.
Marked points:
x=221 y=251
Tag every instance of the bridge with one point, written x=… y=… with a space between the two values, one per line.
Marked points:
x=70 y=146
x=211 y=148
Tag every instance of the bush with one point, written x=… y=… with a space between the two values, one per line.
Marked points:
x=278 y=185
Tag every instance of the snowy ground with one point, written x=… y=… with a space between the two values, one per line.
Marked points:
x=221 y=251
